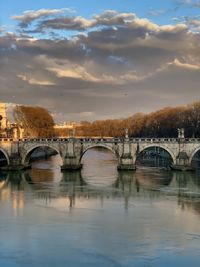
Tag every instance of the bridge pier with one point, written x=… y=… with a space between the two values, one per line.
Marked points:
x=15 y=164
x=71 y=163
x=182 y=162
x=126 y=161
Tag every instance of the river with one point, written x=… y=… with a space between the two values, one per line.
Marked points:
x=99 y=217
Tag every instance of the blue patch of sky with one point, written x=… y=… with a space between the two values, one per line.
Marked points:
x=116 y=59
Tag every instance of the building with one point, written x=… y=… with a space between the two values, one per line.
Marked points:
x=4 y=124
x=66 y=129
x=8 y=129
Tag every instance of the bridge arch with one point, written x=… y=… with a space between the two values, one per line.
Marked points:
x=193 y=154
x=85 y=149
x=26 y=157
x=5 y=155
x=173 y=157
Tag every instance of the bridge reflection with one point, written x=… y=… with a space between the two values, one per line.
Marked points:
x=71 y=188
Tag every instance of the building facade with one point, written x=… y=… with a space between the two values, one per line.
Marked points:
x=3 y=120
x=67 y=129
x=8 y=129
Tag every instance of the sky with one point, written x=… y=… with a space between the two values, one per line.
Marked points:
x=93 y=60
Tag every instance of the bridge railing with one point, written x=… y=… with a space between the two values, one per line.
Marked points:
x=6 y=139
x=112 y=140
x=153 y=140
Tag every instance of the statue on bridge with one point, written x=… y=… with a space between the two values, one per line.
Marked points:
x=181 y=133
x=126 y=133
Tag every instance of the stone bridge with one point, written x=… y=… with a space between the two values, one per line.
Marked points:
x=18 y=151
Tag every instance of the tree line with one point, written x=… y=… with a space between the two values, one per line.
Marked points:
x=38 y=122
x=161 y=123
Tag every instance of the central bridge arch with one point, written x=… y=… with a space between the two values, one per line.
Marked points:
x=110 y=148
x=99 y=164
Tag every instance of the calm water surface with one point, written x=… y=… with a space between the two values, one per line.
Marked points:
x=99 y=217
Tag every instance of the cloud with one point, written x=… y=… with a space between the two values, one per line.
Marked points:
x=30 y=15
x=113 y=18
x=68 y=22
x=192 y=3
x=107 y=18
x=177 y=63
x=34 y=81
x=193 y=22
x=156 y=13
x=119 y=64
x=66 y=48
x=74 y=71
x=64 y=23
x=135 y=41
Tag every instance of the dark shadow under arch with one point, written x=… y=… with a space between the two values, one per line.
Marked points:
x=45 y=148
x=154 y=156
x=195 y=159
x=4 y=159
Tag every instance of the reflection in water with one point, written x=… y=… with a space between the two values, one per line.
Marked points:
x=100 y=180
x=99 y=217
x=154 y=179
x=3 y=179
x=99 y=167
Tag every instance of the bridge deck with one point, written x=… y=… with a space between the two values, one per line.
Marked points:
x=111 y=140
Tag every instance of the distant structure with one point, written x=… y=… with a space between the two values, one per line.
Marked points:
x=8 y=129
x=4 y=124
x=67 y=129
